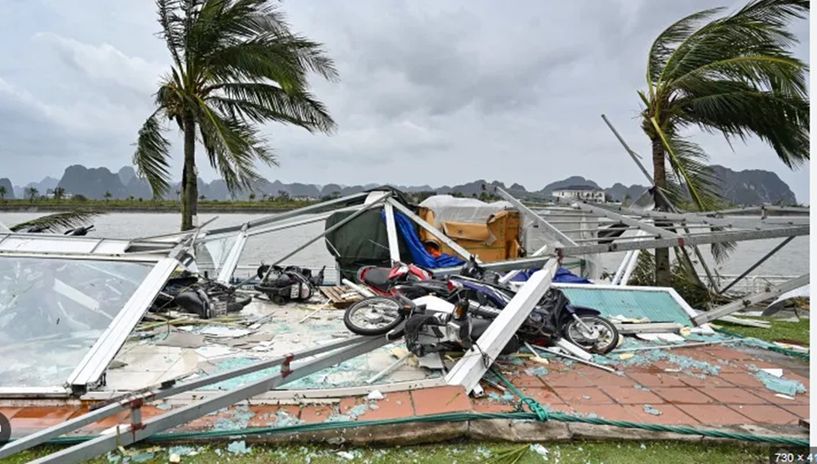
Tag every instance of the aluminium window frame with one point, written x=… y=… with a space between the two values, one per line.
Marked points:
x=89 y=371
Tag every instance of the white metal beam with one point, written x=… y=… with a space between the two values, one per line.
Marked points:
x=749 y=300
x=430 y=229
x=475 y=362
x=564 y=239
x=90 y=369
x=391 y=232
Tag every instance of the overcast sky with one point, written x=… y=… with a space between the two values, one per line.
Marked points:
x=435 y=92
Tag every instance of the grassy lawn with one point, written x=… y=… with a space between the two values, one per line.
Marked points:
x=452 y=453
x=781 y=331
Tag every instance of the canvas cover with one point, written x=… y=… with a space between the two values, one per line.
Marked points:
x=490 y=231
x=361 y=242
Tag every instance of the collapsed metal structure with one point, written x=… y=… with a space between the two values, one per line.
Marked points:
x=217 y=252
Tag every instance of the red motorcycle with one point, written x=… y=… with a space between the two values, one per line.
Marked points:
x=403 y=279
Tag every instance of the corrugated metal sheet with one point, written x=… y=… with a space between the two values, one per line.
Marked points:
x=657 y=306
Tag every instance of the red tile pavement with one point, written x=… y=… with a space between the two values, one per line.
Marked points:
x=772 y=397
x=732 y=395
x=704 y=381
x=314 y=413
x=524 y=380
x=568 y=379
x=632 y=395
x=605 y=411
x=438 y=400
x=766 y=414
x=670 y=414
x=393 y=405
x=799 y=410
x=741 y=379
x=543 y=395
x=683 y=395
x=601 y=378
x=655 y=380
x=583 y=396
x=267 y=415
x=713 y=414
x=493 y=406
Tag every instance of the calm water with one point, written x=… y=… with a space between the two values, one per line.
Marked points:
x=791 y=260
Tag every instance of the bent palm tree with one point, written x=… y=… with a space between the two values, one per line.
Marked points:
x=235 y=63
x=734 y=75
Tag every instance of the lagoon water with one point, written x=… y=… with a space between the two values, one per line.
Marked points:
x=791 y=260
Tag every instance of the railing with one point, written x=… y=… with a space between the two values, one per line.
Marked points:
x=749 y=284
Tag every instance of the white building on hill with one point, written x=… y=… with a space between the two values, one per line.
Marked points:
x=579 y=192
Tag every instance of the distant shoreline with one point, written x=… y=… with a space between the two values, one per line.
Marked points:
x=129 y=206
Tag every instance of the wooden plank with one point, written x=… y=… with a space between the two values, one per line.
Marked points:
x=340 y=296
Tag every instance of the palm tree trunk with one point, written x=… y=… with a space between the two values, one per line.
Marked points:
x=663 y=276
x=189 y=180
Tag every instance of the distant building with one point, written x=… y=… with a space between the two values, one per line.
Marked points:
x=579 y=193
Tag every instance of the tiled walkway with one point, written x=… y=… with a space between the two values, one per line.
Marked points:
x=654 y=393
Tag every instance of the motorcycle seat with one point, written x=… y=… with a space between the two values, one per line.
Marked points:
x=377 y=277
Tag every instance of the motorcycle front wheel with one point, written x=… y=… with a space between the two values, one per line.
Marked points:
x=593 y=333
x=376 y=315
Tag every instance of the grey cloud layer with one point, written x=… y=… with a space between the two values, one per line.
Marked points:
x=430 y=93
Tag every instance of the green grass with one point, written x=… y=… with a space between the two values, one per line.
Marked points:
x=608 y=452
x=780 y=330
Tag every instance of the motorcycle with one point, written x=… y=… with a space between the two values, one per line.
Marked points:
x=429 y=323
x=552 y=318
x=291 y=283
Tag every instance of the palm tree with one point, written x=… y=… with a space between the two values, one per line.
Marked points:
x=235 y=64
x=59 y=193
x=734 y=75
x=31 y=193
x=107 y=196
x=2 y=192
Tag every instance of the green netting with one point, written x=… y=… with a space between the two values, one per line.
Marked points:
x=657 y=306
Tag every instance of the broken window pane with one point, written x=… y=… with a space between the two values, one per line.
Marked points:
x=52 y=311
x=211 y=254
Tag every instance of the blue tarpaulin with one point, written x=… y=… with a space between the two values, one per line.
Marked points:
x=563 y=275
x=419 y=255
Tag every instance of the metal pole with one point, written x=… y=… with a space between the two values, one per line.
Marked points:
x=476 y=361
x=749 y=300
x=156 y=394
x=758 y=263
x=635 y=158
x=431 y=229
x=335 y=227
x=697 y=239
x=131 y=434
x=629 y=151
x=295 y=212
x=510 y=275
x=535 y=217
x=391 y=233
x=302 y=222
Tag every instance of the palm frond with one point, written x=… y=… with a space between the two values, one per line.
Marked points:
x=758 y=29
x=670 y=42
x=172 y=28
x=264 y=102
x=58 y=221
x=232 y=147
x=152 y=154
x=687 y=160
x=736 y=109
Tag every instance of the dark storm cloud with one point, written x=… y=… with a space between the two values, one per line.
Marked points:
x=430 y=93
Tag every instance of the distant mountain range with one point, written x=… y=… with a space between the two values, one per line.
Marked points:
x=748 y=187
